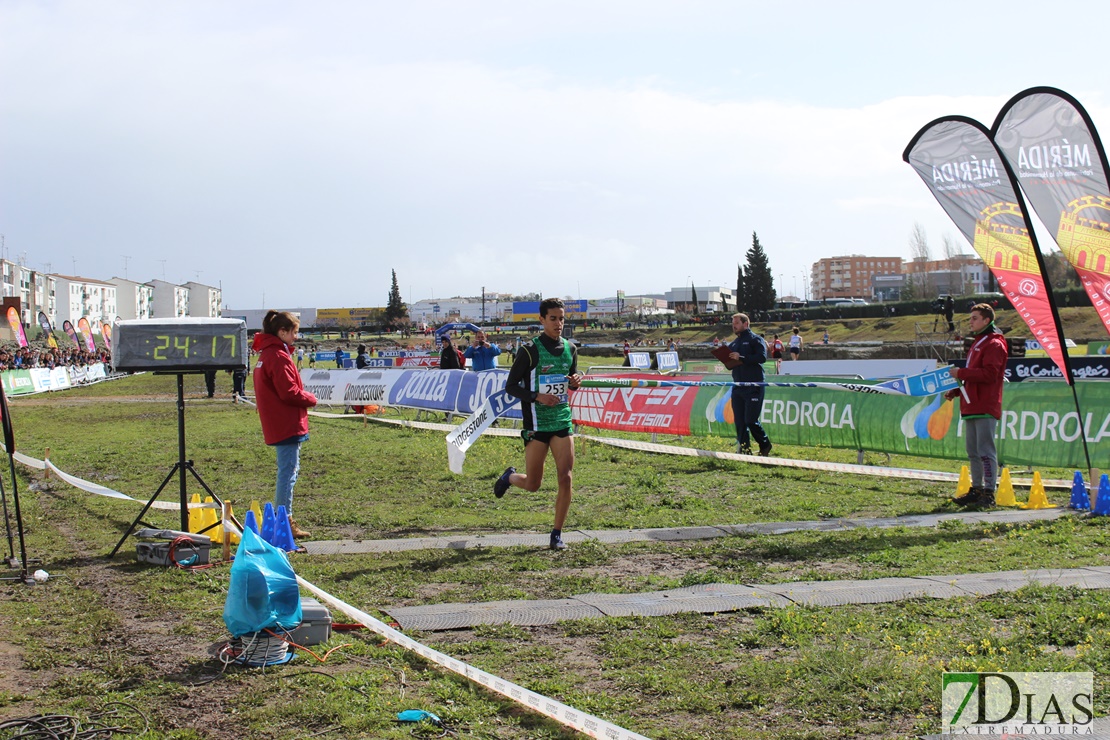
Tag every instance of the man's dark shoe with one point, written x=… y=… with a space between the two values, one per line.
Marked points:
x=502 y=484
x=557 y=542
x=744 y=449
x=984 y=501
x=764 y=449
x=968 y=498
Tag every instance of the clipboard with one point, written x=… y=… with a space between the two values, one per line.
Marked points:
x=722 y=353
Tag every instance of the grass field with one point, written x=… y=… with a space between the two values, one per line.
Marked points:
x=104 y=630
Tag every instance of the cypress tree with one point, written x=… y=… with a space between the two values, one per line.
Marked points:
x=395 y=310
x=759 y=286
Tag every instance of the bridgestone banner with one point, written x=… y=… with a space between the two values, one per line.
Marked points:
x=959 y=163
x=1053 y=148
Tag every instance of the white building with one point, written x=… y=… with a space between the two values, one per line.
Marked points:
x=35 y=291
x=498 y=307
x=169 y=301
x=204 y=300
x=253 y=316
x=80 y=297
x=134 y=300
x=711 y=299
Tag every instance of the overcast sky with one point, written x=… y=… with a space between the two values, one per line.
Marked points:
x=295 y=152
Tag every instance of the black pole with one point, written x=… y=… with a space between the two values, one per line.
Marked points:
x=18 y=522
x=181 y=451
x=7 y=523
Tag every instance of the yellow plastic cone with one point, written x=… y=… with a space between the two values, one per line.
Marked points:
x=1037 y=497
x=257 y=509
x=195 y=514
x=1004 y=496
x=232 y=536
x=210 y=518
x=965 y=481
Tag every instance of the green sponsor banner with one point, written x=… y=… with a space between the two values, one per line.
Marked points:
x=1039 y=425
x=17 y=382
x=1098 y=348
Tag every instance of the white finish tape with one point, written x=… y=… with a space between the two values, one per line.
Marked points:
x=566 y=715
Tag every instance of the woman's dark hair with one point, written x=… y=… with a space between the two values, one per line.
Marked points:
x=275 y=321
x=361 y=348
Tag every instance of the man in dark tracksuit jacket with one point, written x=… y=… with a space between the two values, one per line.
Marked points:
x=750 y=352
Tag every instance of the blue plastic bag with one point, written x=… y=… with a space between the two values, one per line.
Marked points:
x=263 y=592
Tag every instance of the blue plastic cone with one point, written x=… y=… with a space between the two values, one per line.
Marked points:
x=283 y=533
x=249 y=522
x=1102 y=502
x=267 y=532
x=1080 y=500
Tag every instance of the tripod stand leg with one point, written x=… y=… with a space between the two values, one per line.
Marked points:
x=7 y=524
x=127 y=533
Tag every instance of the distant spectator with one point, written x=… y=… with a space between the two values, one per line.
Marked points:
x=482 y=354
x=449 y=357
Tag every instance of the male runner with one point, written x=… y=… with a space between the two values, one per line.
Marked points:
x=542 y=375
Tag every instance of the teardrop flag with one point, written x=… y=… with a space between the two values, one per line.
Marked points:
x=1053 y=147
x=17 y=326
x=86 y=334
x=47 y=331
x=67 y=327
x=971 y=180
x=106 y=333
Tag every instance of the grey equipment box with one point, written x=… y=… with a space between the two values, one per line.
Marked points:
x=154 y=547
x=315 y=626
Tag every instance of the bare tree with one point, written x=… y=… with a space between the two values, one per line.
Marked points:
x=920 y=255
x=952 y=264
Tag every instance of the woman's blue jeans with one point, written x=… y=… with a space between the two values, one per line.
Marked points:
x=288 y=465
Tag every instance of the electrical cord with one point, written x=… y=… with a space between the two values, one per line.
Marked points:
x=104 y=723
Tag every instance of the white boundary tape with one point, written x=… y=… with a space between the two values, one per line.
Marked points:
x=562 y=713
x=94 y=488
x=632 y=444
x=566 y=715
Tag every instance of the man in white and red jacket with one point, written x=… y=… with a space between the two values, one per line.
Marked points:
x=981 y=403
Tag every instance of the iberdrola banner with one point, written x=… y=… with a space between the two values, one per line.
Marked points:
x=106 y=333
x=970 y=179
x=86 y=333
x=47 y=331
x=1052 y=146
x=67 y=327
x=17 y=326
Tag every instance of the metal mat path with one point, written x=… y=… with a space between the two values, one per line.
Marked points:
x=671 y=534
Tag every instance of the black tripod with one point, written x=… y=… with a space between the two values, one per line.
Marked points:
x=9 y=445
x=180 y=467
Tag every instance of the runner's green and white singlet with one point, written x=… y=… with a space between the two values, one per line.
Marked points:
x=550 y=376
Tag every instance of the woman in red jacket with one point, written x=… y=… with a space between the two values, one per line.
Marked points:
x=283 y=403
x=981 y=403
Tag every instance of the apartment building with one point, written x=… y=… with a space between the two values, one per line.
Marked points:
x=850 y=276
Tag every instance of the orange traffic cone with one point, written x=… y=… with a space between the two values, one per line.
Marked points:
x=1037 y=497
x=1004 y=496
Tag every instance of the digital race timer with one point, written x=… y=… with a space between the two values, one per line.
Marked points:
x=180 y=345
